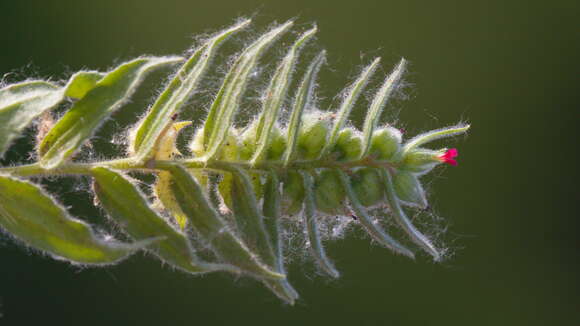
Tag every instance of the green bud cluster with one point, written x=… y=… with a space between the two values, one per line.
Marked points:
x=230 y=191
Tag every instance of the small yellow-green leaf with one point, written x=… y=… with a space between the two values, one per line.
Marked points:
x=176 y=94
x=211 y=227
x=20 y=104
x=165 y=150
x=81 y=83
x=86 y=115
x=130 y=210
x=32 y=216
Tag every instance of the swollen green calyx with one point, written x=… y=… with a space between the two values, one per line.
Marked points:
x=224 y=202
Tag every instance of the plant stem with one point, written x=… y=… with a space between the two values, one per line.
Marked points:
x=128 y=164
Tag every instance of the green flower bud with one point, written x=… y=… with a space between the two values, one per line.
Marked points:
x=367 y=186
x=293 y=193
x=385 y=143
x=409 y=189
x=329 y=193
x=277 y=145
x=348 y=145
x=421 y=160
x=248 y=141
x=313 y=134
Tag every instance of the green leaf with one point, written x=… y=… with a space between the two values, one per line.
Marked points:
x=352 y=95
x=81 y=83
x=221 y=114
x=302 y=100
x=36 y=219
x=250 y=224
x=374 y=113
x=86 y=115
x=211 y=227
x=275 y=95
x=374 y=230
x=129 y=209
x=433 y=135
x=20 y=104
x=404 y=221
x=409 y=189
x=176 y=94
x=311 y=226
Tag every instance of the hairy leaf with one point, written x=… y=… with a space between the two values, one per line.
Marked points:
x=35 y=218
x=404 y=221
x=86 y=115
x=302 y=100
x=176 y=94
x=311 y=225
x=376 y=108
x=20 y=104
x=352 y=95
x=220 y=117
x=130 y=210
x=374 y=230
x=275 y=95
x=207 y=222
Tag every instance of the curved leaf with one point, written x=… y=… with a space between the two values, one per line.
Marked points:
x=220 y=116
x=250 y=223
x=353 y=93
x=86 y=115
x=20 y=104
x=402 y=219
x=207 y=222
x=176 y=94
x=375 y=231
x=35 y=218
x=130 y=210
x=311 y=226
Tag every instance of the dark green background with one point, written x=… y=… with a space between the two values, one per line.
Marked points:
x=508 y=67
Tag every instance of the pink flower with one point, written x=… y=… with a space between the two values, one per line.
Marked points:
x=449 y=156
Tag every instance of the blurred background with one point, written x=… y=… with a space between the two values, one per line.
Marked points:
x=510 y=68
